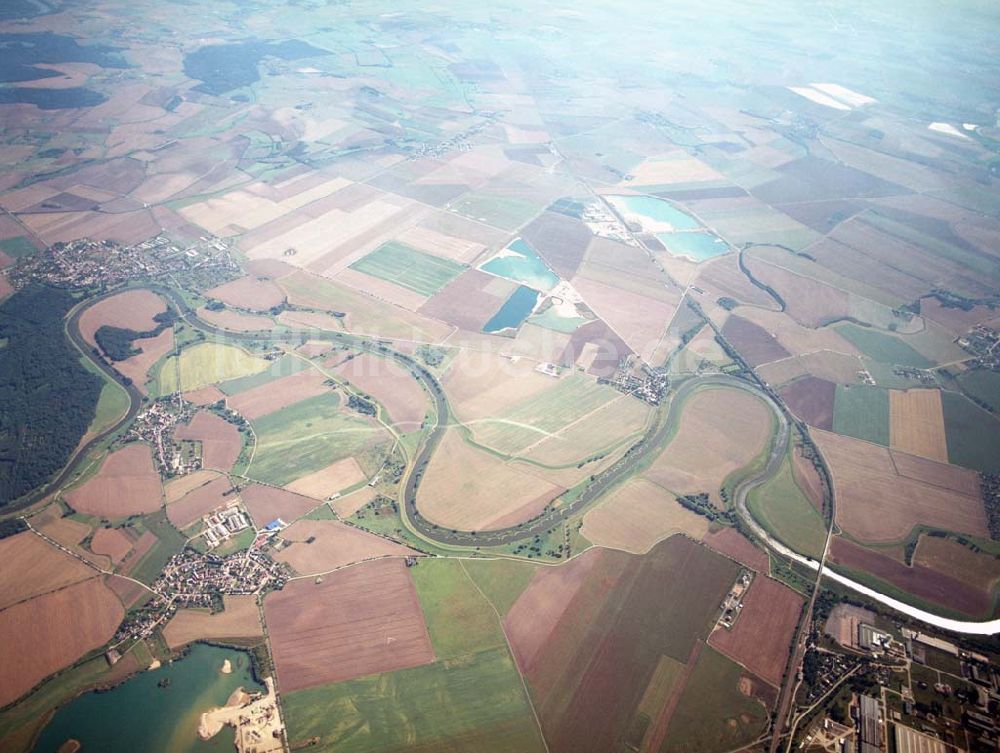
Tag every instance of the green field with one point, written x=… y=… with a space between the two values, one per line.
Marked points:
x=883 y=347
x=973 y=434
x=506 y=212
x=473 y=704
x=783 y=509
x=282 y=367
x=208 y=363
x=863 y=412
x=414 y=270
x=983 y=385
x=713 y=714
x=459 y=619
x=17 y=247
x=530 y=420
x=169 y=541
x=111 y=405
x=502 y=581
x=307 y=436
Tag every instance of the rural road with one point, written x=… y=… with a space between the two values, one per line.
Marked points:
x=649 y=443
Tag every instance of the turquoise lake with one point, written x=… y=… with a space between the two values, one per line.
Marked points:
x=514 y=310
x=140 y=716
x=657 y=210
x=520 y=263
x=697 y=246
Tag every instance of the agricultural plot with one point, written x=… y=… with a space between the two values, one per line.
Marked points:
x=917 y=581
x=755 y=344
x=32 y=567
x=781 y=506
x=883 y=347
x=501 y=581
x=320 y=546
x=207 y=363
x=733 y=544
x=133 y=309
x=407 y=267
x=958 y=561
x=916 y=423
x=811 y=400
x=470 y=300
x=983 y=385
x=126 y=484
x=360 y=621
x=283 y=366
x=862 y=412
x=235 y=321
x=221 y=441
x=266 y=503
x=721 y=430
x=589 y=636
x=326 y=481
x=472 y=490
x=718 y=709
x=277 y=394
x=240 y=620
x=480 y=384
x=761 y=639
x=248 y=293
x=636 y=515
x=395 y=388
x=49 y=632
x=883 y=494
x=973 y=434
x=199 y=502
x=527 y=422
x=307 y=436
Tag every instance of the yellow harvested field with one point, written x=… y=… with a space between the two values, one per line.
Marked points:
x=208 y=363
x=235 y=321
x=638 y=514
x=617 y=420
x=362 y=313
x=349 y=504
x=248 y=293
x=326 y=481
x=319 y=546
x=471 y=490
x=481 y=384
x=248 y=208
x=69 y=533
x=670 y=168
x=538 y=344
x=450 y=247
x=721 y=430
x=979 y=569
x=178 y=487
x=382 y=290
x=877 y=504
x=278 y=393
x=133 y=309
x=240 y=619
x=31 y=567
x=916 y=423
x=153 y=349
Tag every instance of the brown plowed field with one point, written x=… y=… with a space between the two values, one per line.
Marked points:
x=269 y=269
x=916 y=423
x=133 y=309
x=918 y=580
x=248 y=293
x=128 y=591
x=240 y=619
x=755 y=343
x=808 y=301
x=473 y=490
x=50 y=632
x=111 y=542
x=723 y=278
x=176 y=488
x=127 y=484
x=876 y=504
x=278 y=394
x=469 y=300
x=142 y=545
x=560 y=240
x=811 y=399
x=205 y=396
x=807 y=477
x=733 y=544
x=333 y=545
x=266 y=503
x=589 y=660
x=326 y=481
x=947 y=556
x=356 y=622
x=721 y=431
x=392 y=385
x=761 y=638
x=595 y=347
x=199 y=502
x=346 y=506
x=220 y=440
x=32 y=566
x=153 y=349
x=235 y=321
x=638 y=514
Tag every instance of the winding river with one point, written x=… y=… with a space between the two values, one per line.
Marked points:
x=650 y=442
